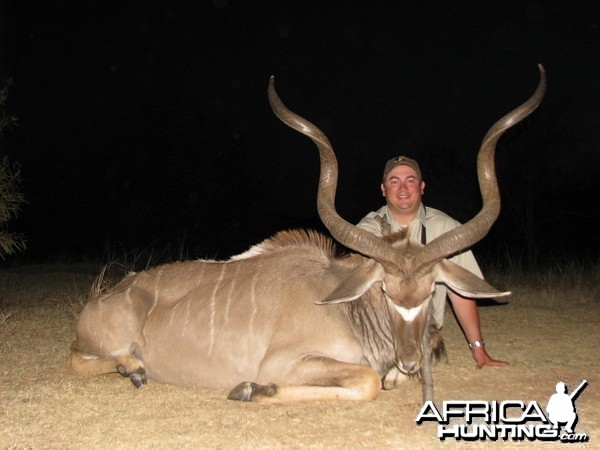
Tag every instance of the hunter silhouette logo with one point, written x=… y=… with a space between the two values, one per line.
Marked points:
x=561 y=406
x=516 y=420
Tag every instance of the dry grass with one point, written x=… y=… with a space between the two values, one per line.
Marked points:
x=41 y=406
x=567 y=284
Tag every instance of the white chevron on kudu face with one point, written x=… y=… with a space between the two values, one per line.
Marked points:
x=409 y=314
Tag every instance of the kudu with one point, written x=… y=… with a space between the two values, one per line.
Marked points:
x=288 y=319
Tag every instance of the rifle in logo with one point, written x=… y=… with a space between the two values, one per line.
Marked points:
x=578 y=389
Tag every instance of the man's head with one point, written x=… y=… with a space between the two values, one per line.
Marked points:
x=402 y=187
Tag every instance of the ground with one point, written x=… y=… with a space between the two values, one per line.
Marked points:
x=42 y=406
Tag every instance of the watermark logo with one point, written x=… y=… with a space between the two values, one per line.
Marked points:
x=472 y=420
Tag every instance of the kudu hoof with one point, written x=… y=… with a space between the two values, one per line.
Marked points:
x=246 y=391
x=138 y=378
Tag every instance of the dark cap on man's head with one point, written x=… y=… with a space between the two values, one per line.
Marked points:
x=401 y=161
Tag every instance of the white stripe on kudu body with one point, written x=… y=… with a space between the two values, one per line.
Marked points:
x=213 y=309
x=232 y=284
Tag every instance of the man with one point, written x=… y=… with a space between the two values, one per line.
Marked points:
x=403 y=188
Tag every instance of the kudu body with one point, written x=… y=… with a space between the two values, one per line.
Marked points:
x=289 y=320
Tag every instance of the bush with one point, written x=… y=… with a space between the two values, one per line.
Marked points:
x=11 y=198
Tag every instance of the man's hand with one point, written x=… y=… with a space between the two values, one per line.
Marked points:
x=483 y=359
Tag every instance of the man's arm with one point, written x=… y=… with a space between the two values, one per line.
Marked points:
x=468 y=316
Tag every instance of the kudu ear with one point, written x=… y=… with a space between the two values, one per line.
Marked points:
x=464 y=282
x=355 y=285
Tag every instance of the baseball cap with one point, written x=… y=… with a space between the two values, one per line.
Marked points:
x=401 y=161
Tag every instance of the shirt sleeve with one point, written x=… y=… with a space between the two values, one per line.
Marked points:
x=437 y=223
x=440 y=223
x=467 y=261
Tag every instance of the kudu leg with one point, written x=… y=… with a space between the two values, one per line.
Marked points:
x=315 y=378
x=394 y=378
x=127 y=365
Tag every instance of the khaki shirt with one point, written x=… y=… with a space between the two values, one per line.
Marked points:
x=436 y=223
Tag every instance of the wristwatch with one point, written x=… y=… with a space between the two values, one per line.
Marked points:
x=474 y=344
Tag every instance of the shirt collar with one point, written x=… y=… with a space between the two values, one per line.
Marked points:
x=396 y=226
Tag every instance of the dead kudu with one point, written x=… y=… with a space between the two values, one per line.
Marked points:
x=288 y=320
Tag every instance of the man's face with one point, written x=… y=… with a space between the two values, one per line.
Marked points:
x=402 y=190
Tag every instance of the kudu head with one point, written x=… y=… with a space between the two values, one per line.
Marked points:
x=406 y=272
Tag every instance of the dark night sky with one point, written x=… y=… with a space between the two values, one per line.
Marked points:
x=147 y=124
